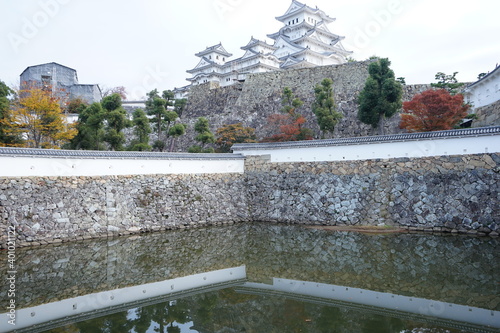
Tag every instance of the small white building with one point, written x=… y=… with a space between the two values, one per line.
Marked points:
x=304 y=41
x=485 y=90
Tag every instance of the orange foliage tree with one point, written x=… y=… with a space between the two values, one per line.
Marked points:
x=290 y=122
x=37 y=116
x=228 y=135
x=290 y=128
x=433 y=110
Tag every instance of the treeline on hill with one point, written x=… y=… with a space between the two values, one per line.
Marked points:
x=36 y=117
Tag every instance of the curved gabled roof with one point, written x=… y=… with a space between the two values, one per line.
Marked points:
x=320 y=28
x=491 y=74
x=255 y=42
x=201 y=65
x=297 y=7
x=218 y=48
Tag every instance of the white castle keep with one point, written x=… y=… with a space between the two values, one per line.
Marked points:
x=303 y=41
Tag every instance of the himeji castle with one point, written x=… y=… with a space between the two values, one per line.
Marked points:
x=303 y=41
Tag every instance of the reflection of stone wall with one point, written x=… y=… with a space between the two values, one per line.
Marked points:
x=61 y=271
x=454 y=269
x=444 y=193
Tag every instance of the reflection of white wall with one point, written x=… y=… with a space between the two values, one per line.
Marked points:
x=415 y=305
x=21 y=166
x=484 y=91
x=384 y=150
x=61 y=310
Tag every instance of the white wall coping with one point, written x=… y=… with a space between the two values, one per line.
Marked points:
x=26 y=162
x=439 y=143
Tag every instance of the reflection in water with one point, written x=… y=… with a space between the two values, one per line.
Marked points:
x=448 y=269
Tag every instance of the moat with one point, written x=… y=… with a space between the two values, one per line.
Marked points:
x=261 y=277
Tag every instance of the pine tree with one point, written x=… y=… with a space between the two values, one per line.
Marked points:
x=381 y=96
x=205 y=136
x=142 y=129
x=116 y=118
x=325 y=107
x=90 y=128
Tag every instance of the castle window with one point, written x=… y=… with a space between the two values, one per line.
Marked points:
x=217 y=57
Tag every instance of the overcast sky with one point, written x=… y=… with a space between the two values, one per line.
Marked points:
x=148 y=44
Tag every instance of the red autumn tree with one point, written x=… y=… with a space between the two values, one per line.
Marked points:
x=290 y=128
x=289 y=123
x=433 y=110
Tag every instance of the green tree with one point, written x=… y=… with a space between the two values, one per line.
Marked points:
x=142 y=129
x=289 y=102
x=325 y=107
x=163 y=117
x=155 y=107
x=180 y=106
x=90 y=128
x=117 y=120
x=170 y=116
x=381 y=95
x=205 y=136
x=7 y=137
x=176 y=131
x=448 y=82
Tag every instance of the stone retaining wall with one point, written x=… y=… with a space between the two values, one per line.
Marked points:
x=443 y=193
x=55 y=209
x=440 y=193
x=488 y=115
x=252 y=101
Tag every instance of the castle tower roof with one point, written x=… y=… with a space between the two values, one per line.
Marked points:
x=298 y=7
x=218 y=48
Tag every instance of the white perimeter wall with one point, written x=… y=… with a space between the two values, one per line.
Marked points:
x=421 y=148
x=22 y=166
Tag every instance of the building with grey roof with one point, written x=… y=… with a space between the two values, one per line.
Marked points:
x=62 y=80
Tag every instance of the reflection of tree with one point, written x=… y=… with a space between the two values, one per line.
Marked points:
x=330 y=320
x=163 y=314
x=382 y=324
x=204 y=313
x=117 y=322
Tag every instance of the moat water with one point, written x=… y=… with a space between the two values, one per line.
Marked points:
x=259 y=278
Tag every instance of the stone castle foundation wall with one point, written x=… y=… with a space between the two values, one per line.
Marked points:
x=55 y=209
x=252 y=101
x=441 y=193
